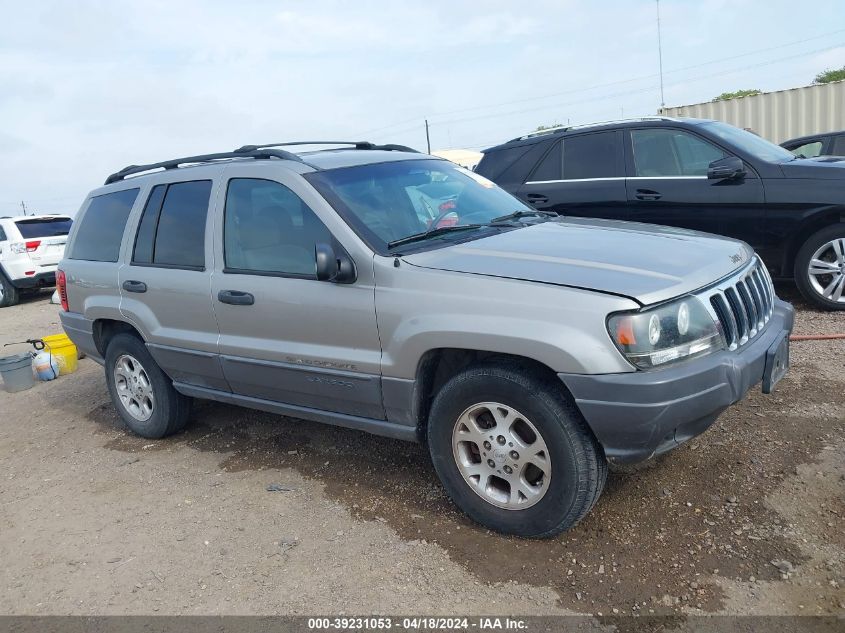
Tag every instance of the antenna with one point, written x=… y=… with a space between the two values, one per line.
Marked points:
x=660 y=56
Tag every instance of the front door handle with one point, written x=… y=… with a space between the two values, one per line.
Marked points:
x=130 y=285
x=648 y=195
x=235 y=297
x=537 y=198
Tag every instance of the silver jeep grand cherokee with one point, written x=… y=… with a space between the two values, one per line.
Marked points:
x=384 y=290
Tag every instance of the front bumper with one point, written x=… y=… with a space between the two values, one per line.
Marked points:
x=645 y=413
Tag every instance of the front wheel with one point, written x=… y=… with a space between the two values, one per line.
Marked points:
x=513 y=453
x=820 y=268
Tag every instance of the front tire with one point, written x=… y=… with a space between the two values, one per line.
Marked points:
x=141 y=392
x=9 y=295
x=513 y=453
x=820 y=268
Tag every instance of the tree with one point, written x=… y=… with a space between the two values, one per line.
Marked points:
x=727 y=96
x=830 y=75
x=540 y=128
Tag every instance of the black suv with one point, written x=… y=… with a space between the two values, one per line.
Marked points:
x=691 y=173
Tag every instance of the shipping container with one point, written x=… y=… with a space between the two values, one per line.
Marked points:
x=777 y=116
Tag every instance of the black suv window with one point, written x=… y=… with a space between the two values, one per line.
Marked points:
x=591 y=156
x=101 y=228
x=551 y=167
x=662 y=152
x=267 y=228
x=172 y=229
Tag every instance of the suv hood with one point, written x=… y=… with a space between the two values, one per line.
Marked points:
x=647 y=263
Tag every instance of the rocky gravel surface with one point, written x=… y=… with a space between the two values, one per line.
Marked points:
x=250 y=513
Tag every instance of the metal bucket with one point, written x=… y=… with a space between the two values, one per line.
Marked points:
x=16 y=372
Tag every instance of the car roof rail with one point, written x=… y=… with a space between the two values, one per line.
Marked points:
x=390 y=147
x=581 y=126
x=175 y=163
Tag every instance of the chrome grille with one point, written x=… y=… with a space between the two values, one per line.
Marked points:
x=743 y=304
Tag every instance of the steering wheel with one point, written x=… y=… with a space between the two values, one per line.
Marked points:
x=440 y=217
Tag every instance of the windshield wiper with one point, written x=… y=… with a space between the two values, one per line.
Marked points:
x=516 y=215
x=417 y=237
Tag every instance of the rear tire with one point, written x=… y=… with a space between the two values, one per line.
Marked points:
x=141 y=392
x=820 y=268
x=537 y=497
x=9 y=294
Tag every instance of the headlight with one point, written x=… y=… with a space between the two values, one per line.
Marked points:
x=671 y=332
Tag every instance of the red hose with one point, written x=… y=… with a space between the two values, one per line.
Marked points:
x=816 y=337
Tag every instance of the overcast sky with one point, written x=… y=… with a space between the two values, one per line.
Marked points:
x=89 y=87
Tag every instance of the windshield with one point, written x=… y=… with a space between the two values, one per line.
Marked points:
x=749 y=142
x=387 y=202
x=44 y=227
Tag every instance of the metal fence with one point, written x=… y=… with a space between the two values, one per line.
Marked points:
x=777 y=116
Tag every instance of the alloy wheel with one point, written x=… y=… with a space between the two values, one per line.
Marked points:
x=501 y=455
x=826 y=271
x=133 y=387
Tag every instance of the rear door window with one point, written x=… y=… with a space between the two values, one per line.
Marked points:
x=591 y=156
x=44 y=227
x=838 y=146
x=171 y=233
x=551 y=167
x=100 y=231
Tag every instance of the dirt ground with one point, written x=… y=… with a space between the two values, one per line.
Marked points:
x=747 y=519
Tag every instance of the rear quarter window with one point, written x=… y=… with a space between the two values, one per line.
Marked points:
x=44 y=227
x=100 y=230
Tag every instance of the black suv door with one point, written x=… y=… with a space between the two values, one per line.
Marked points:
x=667 y=183
x=581 y=174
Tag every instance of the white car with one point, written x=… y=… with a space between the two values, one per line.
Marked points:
x=31 y=247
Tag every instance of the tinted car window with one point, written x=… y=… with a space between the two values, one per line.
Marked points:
x=590 y=156
x=494 y=164
x=838 y=148
x=808 y=150
x=2 y=234
x=52 y=227
x=551 y=167
x=101 y=228
x=145 y=238
x=662 y=152
x=267 y=228
x=180 y=229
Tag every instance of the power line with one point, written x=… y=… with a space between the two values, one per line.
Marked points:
x=611 y=83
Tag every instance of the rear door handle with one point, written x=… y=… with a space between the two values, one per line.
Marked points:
x=235 y=297
x=537 y=198
x=130 y=285
x=648 y=195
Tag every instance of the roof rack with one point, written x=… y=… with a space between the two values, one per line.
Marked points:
x=204 y=158
x=390 y=147
x=561 y=128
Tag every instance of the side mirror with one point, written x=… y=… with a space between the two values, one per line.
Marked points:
x=335 y=267
x=728 y=168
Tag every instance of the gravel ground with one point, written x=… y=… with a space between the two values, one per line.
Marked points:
x=746 y=519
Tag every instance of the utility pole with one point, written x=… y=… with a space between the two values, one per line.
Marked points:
x=23 y=206
x=427 y=138
x=660 y=56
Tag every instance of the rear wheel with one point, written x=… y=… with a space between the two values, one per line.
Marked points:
x=141 y=392
x=9 y=295
x=513 y=453
x=820 y=268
